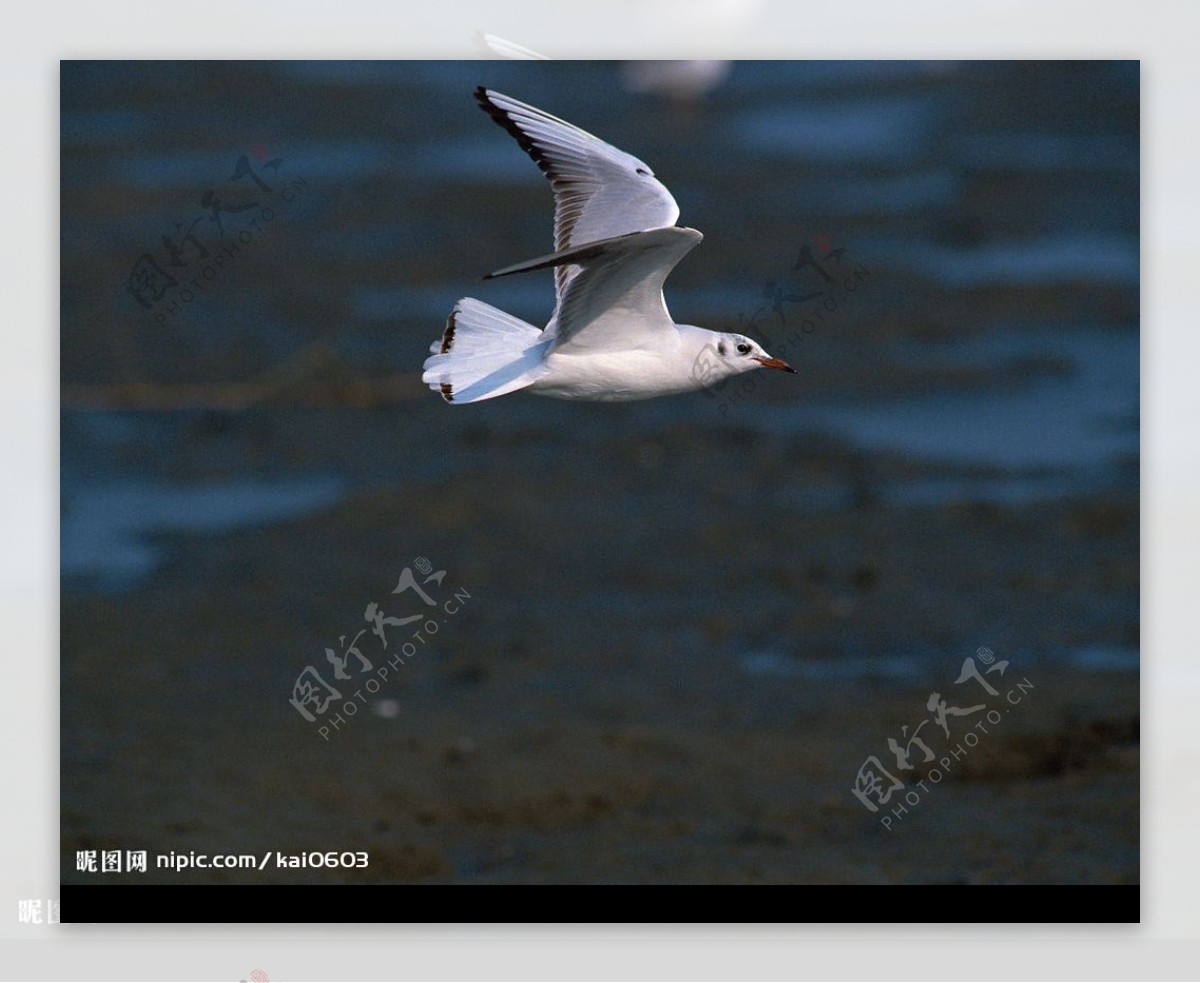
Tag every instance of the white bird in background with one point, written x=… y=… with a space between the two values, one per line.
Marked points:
x=683 y=82
x=610 y=337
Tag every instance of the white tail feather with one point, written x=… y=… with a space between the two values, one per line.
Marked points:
x=483 y=353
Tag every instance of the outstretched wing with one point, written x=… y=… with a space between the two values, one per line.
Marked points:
x=599 y=191
x=615 y=300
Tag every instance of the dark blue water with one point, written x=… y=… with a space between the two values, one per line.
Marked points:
x=995 y=204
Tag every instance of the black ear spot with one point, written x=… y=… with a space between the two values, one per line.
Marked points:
x=721 y=348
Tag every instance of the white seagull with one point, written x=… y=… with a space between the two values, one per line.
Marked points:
x=610 y=337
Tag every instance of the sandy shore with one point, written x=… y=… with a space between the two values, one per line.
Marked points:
x=674 y=685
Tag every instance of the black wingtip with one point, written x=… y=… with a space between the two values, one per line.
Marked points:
x=523 y=139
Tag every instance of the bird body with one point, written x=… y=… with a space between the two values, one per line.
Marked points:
x=636 y=373
x=611 y=337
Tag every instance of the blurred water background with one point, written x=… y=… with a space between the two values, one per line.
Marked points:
x=994 y=204
x=955 y=464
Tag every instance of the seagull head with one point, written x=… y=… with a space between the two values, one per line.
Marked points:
x=742 y=354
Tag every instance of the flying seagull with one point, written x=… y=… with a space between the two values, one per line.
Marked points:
x=610 y=337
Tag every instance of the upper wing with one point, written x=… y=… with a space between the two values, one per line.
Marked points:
x=599 y=191
x=614 y=302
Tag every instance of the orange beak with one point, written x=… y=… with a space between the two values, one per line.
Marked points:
x=774 y=363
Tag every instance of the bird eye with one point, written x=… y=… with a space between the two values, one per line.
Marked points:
x=743 y=349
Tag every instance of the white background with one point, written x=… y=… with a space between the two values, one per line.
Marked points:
x=1162 y=34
